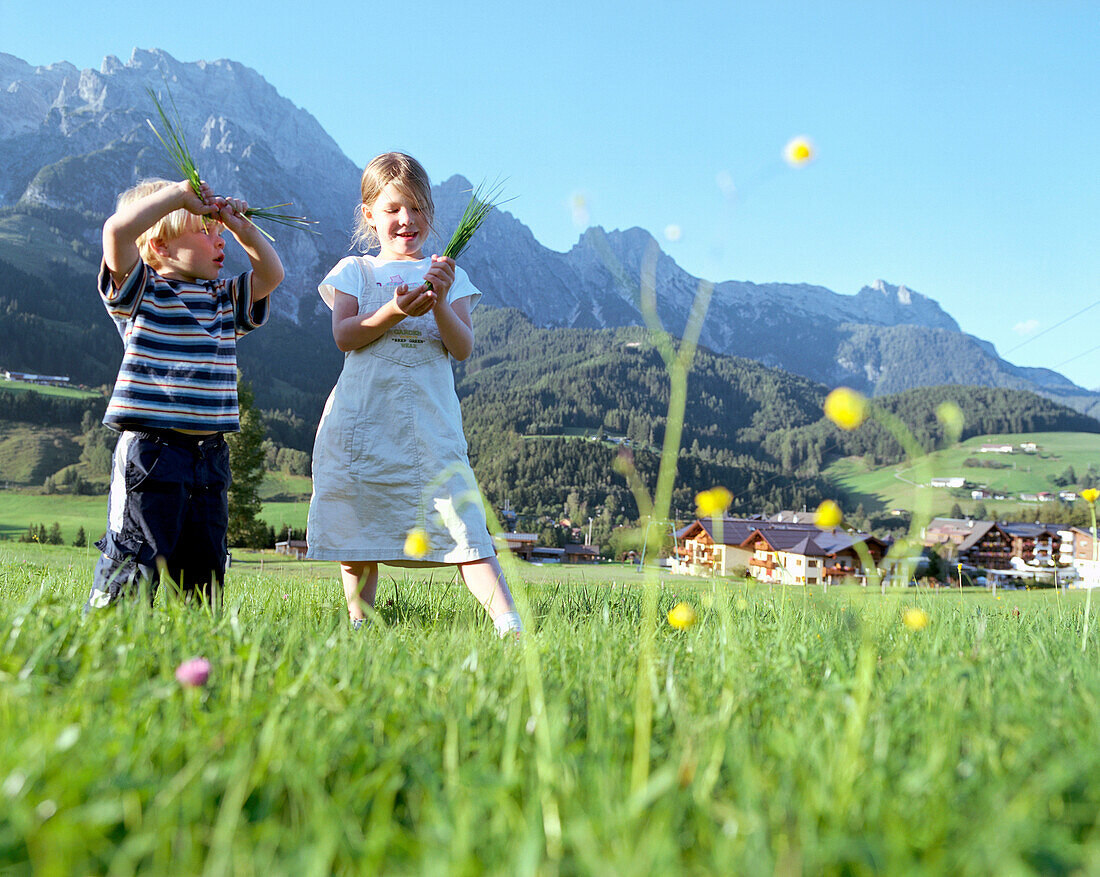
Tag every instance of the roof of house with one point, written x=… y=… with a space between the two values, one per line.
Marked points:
x=799 y=537
x=812 y=542
x=1019 y=528
x=980 y=529
x=948 y=527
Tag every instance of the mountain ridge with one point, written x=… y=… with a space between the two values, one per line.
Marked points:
x=71 y=139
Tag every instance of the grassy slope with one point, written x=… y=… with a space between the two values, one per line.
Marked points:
x=31 y=243
x=424 y=745
x=19 y=509
x=28 y=454
x=68 y=392
x=885 y=487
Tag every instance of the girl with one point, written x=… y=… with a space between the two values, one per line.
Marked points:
x=391 y=478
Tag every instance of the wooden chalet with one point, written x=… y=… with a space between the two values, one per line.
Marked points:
x=987 y=547
x=786 y=552
x=577 y=553
x=708 y=546
x=792 y=556
x=520 y=544
x=947 y=534
x=295 y=548
x=1035 y=544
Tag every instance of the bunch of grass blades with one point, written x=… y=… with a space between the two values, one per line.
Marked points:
x=477 y=209
x=175 y=145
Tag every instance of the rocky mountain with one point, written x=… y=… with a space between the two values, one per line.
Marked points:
x=71 y=139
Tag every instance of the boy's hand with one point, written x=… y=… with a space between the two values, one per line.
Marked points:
x=414 y=302
x=201 y=204
x=267 y=270
x=231 y=214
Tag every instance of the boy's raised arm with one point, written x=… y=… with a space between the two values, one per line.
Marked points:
x=267 y=269
x=125 y=226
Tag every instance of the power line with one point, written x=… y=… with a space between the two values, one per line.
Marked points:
x=1078 y=356
x=1051 y=328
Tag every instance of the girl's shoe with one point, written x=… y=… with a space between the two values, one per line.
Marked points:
x=357 y=623
x=508 y=623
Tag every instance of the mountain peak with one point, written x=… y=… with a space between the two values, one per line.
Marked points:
x=892 y=305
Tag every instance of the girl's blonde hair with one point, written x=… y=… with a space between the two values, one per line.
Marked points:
x=166 y=228
x=411 y=180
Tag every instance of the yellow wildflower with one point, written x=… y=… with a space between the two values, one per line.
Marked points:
x=828 y=515
x=845 y=407
x=915 y=619
x=798 y=151
x=712 y=502
x=951 y=416
x=681 y=616
x=416 y=543
x=1089 y=495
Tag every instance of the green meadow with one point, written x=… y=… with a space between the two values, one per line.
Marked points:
x=47 y=390
x=895 y=486
x=787 y=731
x=285 y=501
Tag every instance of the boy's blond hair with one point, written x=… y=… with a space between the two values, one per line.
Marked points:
x=166 y=228
x=411 y=180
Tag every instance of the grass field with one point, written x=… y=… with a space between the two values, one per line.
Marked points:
x=19 y=509
x=66 y=392
x=788 y=731
x=893 y=486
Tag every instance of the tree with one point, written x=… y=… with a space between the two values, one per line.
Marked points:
x=81 y=539
x=246 y=461
x=956 y=511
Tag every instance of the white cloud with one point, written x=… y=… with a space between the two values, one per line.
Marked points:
x=1026 y=327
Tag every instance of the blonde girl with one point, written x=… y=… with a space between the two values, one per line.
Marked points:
x=390 y=458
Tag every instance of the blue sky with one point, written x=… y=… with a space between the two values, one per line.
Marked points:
x=953 y=140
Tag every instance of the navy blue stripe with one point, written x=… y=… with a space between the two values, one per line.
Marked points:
x=224 y=378
x=175 y=396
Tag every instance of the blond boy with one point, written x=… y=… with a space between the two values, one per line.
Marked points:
x=176 y=392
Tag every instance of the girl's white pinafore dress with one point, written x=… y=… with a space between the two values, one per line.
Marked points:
x=390 y=454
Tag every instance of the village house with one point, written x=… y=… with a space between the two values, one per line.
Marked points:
x=1078 y=550
x=987 y=546
x=526 y=547
x=947 y=534
x=26 y=378
x=787 y=556
x=578 y=553
x=995 y=449
x=780 y=552
x=953 y=482
x=1035 y=544
x=706 y=545
x=520 y=544
x=295 y=548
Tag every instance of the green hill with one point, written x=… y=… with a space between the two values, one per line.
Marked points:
x=897 y=485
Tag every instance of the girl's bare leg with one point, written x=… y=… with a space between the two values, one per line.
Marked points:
x=485 y=579
x=360 y=582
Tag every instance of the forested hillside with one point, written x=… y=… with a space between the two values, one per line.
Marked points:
x=986 y=411
x=548 y=410
x=527 y=392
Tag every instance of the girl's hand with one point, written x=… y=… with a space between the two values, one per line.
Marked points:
x=441 y=275
x=414 y=302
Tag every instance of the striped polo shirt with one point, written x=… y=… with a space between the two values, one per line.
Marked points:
x=179 y=365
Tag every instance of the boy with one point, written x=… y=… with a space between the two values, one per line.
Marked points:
x=176 y=391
